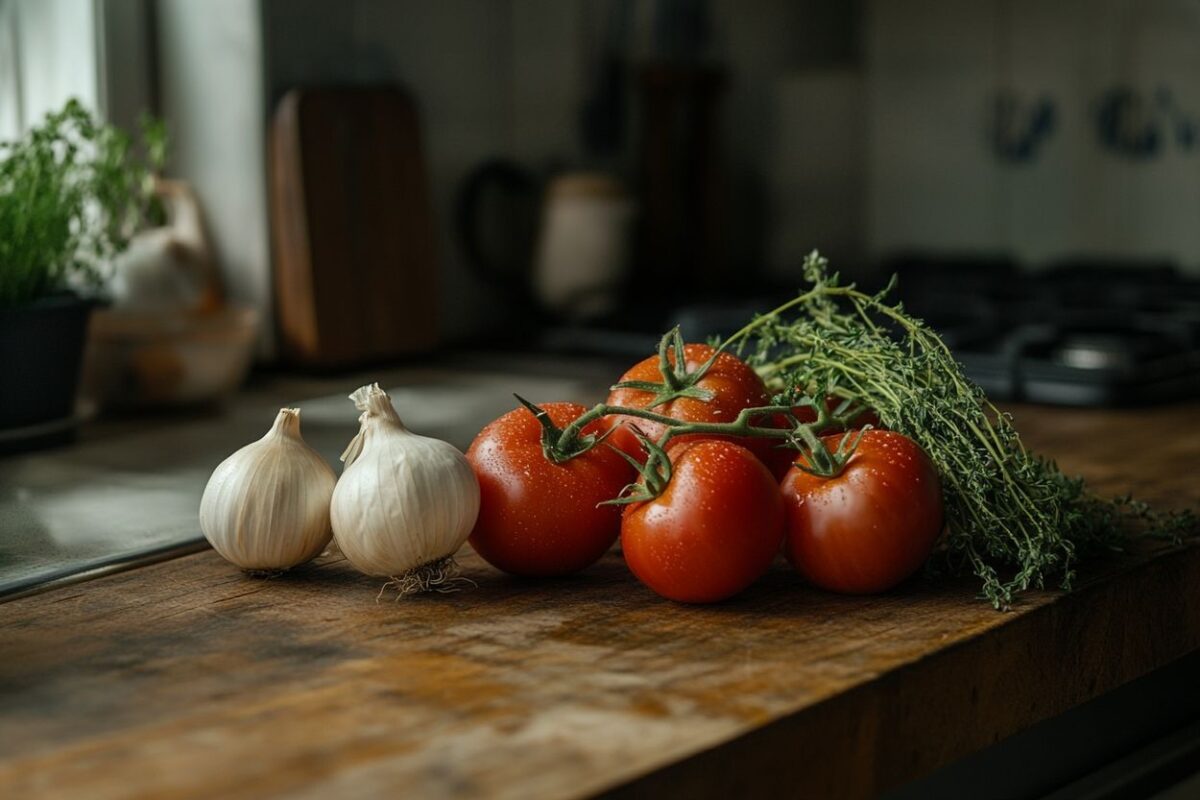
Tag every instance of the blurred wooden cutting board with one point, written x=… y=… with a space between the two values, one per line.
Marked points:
x=352 y=227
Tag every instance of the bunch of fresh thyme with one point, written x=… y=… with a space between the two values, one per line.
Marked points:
x=1013 y=518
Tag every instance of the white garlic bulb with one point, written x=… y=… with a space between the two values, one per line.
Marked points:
x=405 y=503
x=266 y=507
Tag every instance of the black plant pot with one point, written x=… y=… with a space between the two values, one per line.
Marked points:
x=41 y=347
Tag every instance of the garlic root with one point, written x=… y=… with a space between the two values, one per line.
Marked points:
x=443 y=576
x=264 y=574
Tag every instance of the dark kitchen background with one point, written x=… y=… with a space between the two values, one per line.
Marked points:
x=381 y=180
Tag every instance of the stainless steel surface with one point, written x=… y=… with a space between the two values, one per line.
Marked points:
x=130 y=490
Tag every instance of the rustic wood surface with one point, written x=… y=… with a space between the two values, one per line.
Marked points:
x=187 y=679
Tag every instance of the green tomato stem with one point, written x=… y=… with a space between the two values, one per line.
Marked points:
x=741 y=425
x=805 y=437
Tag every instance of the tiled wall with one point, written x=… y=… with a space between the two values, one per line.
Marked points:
x=1100 y=153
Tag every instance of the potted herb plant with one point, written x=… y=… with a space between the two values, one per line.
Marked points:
x=72 y=192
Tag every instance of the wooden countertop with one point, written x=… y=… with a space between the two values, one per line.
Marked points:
x=187 y=679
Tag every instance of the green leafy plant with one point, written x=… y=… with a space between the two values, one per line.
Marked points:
x=72 y=192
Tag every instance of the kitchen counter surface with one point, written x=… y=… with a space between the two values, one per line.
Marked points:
x=188 y=679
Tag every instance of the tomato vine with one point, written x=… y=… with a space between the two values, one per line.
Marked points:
x=1013 y=518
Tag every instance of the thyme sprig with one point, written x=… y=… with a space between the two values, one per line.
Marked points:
x=1013 y=518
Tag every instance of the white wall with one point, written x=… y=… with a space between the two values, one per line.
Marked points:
x=211 y=67
x=933 y=181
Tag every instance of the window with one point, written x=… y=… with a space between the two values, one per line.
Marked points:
x=48 y=53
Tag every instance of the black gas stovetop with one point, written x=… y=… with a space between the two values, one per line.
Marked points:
x=1079 y=334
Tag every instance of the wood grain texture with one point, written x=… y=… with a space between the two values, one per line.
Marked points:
x=187 y=679
x=352 y=227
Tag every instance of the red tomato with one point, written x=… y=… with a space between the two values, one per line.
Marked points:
x=734 y=384
x=538 y=518
x=780 y=459
x=713 y=531
x=870 y=527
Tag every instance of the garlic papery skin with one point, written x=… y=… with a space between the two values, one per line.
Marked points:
x=405 y=503
x=266 y=507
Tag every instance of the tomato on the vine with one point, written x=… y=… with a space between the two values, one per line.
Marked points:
x=730 y=383
x=870 y=526
x=780 y=458
x=714 y=529
x=537 y=517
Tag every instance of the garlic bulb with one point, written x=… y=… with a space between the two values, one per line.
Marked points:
x=405 y=503
x=266 y=507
